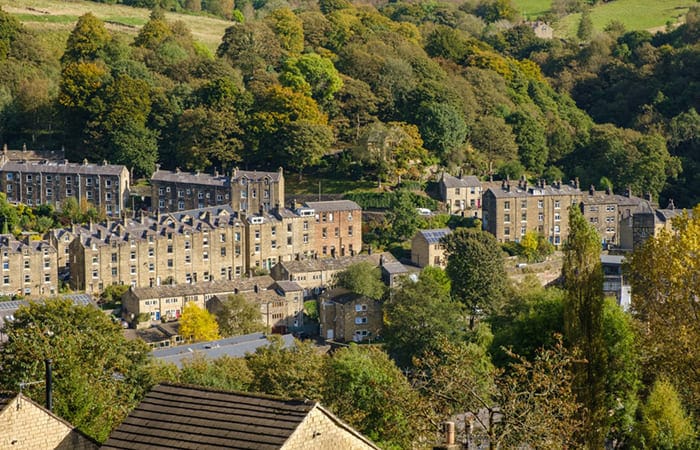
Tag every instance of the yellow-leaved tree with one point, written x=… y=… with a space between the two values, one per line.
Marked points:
x=665 y=278
x=197 y=324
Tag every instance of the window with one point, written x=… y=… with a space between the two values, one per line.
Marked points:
x=5 y=265
x=337 y=231
x=108 y=196
x=506 y=205
x=557 y=204
x=151 y=253
x=205 y=256
x=180 y=193
x=188 y=258
x=273 y=244
x=26 y=264
x=237 y=250
x=556 y=228
x=523 y=204
x=132 y=270
x=188 y=245
x=29 y=189
x=236 y=236
x=359 y=308
x=181 y=205
x=306 y=225
x=540 y=204
x=9 y=188
x=324 y=232
x=273 y=231
x=170 y=248
x=257 y=248
x=223 y=251
x=257 y=234
x=523 y=216
x=170 y=263
x=47 y=278
x=6 y=278
x=523 y=230
x=306 y=238
x=360 y=320
x=161 y=191
x=114 y=271
x=161 y=203
x=350 y=230
x=151 y=267
x=132 y=256
x=88 y=182
x=89 y=195
x=69 y=179
x=69 y=192
x=47 y=264
x=557 y=217
x=289 y=240
x=506 y=231
x=200 y=195
x=10 y=176
x=506 y=218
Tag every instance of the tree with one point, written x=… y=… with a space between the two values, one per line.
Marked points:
x=222 y=373
x=313 y=75
x=402 y=216
x=585 y=25
x=295 y=372
x=665 y=287
x=366 y=389
x=362 y=278
x=87 y=41
x=197 y=324
x=98 y=375
x=443 y=128
x=238 y=316
x=532 y=142
x=305 y=143
x=583 y=320
x=288 y=28
x=492 y=136
x=664 y=423
x=475 y=266
x=250 y=46
x=417 y=314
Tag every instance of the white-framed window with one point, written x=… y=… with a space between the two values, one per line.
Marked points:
x=360 y=307
x=360 y=320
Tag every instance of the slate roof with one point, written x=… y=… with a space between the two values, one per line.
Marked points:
x=317 y=265
x=466 y=181
x=210 y=287
x=188 y=417
x=63 y=168
x=548 y=190
x=196 y=178
x=233 y=347
x=333 y=205
x=288 y=286
x=255 y=175
x=434 y=236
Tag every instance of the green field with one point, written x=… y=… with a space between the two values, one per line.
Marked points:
x=650 y=15
x=59 y=16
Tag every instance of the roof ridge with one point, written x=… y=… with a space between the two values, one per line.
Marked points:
x=234 y=392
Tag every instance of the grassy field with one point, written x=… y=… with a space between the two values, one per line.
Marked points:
x=634 y=14
x=59 y=16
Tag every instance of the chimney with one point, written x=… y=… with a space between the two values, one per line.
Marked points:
x=49 y=384
x=608 y=190
x=576 y=183
x=381 y=261
x=65 y=161
x=255 y=288
x=157 y=167
x=85 y=162
x=591 y=190
x=670 y=204
x=628 y=191
x=648 y=197
x=24 y=147
x=449 y=437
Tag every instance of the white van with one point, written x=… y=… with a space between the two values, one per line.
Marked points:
x=424 y=212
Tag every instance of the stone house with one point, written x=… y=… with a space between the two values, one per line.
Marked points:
x=338 y=228
x=461 y=195
x=648 y=222
x=204 y=417
x=179 y=191
x=316 y=274
x=510 y=212
x=26 y=425
x=427 y=248
x=49 y=182
x=183 y=247
x=167 y=301
x=29 y=267
x=345 y=316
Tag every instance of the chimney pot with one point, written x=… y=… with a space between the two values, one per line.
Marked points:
x=449 y=428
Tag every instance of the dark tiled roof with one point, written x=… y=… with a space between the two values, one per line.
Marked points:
x=190 y=178
x=289 y=286
x=549 y=190
x=211 y=287
x=466 y=181
x=254 y=175
x=188 y=417
x=333 y=205
x=63 y=168
x=434 y=236
x=343 y=262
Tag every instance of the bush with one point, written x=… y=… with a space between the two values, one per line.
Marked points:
x=383 y=200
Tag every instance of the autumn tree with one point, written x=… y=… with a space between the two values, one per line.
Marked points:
x=583 y=320
x=98 y=375
x=665 y=424
x=665 y=287
x=87 y=41
x=295 y=372
x=475 y=266
x=238 y=316
x=197 y=324
x=222 y=373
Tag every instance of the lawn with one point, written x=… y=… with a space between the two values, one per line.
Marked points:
x=55 y=15
x=634 y=14
x=531 y=9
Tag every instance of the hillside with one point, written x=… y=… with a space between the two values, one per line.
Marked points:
x=59 y=17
